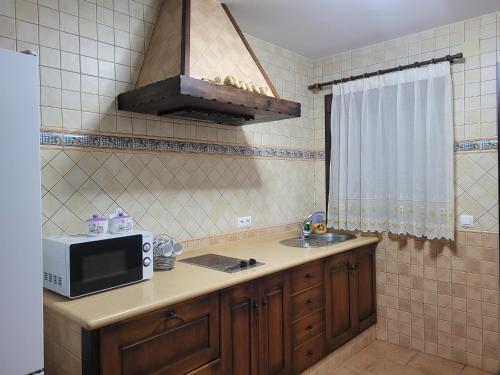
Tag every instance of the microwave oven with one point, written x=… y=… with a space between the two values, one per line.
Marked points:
x=78 y=265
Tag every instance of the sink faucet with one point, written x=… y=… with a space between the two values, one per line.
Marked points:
x=306 y=227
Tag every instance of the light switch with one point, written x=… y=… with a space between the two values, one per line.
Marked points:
x=466 y=220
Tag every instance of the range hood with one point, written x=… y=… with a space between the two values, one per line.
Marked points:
x=194 y=45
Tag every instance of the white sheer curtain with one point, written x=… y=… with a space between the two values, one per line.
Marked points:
x=392 y=153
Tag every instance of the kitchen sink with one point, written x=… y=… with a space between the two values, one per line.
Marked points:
x=317 y=240
x=332 y=237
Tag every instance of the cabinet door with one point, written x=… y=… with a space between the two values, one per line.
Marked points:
x=365 y=280
x=274 y=328
x=340 y=290
x=239 y=330
x=175 y=340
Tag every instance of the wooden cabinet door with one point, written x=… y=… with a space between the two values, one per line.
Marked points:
x=239 y=330
x=274 y=327
x=366 y=290
x=174 y=340
x=340 y=290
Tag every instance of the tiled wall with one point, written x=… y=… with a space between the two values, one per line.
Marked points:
x=442 y=298
x=438 y=298
x=475 y=107
x=92 y=50
x=186 y=196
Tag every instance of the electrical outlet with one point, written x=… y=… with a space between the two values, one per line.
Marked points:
x=244 y=222
x=466 y=220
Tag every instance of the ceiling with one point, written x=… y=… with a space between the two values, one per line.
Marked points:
x=317 y=28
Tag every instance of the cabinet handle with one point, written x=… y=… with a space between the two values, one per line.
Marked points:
x=167 y=317
x=309 y=327
x=309 y=353
x=169 y=314
x=354 y=267
x=255 y=305
x=309 y=301
x=264 y=302
x=308 y=276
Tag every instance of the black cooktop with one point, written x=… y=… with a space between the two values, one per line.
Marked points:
x=222 y=263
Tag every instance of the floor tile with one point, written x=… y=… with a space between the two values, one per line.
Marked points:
x=434 y=365
x=382 y=358
x=380 y=351
x=387 y=367
x=344 y=371
x=473 y=371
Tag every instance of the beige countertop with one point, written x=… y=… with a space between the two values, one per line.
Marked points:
x=188 y=281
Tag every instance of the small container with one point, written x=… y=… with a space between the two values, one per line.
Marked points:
x=96 y=226
x=120 y=222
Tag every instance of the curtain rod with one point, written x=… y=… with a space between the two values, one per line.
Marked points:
x=450 y=58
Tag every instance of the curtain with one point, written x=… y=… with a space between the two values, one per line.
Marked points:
x=391 y=163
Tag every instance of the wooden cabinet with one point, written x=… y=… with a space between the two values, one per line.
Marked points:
x=307 y=315
x=350 y=294
x=340 y=298
x=279 y=324
x=274 y=328
x=175 y=340
x=255 y=329
x=366 y=303
x=239 y=333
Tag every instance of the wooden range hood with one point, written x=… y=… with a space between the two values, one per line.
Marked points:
x=193 y=42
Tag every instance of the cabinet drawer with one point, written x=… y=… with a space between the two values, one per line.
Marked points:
x=306 y=276
x=306 y=302
x=212 y=368
x=308 y=327
x=307 y=354
x=173 y=340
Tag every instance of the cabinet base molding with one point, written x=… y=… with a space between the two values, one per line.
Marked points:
x=338 y=357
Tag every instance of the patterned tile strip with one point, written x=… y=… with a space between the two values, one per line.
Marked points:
x=477 y=145
x=146 y=144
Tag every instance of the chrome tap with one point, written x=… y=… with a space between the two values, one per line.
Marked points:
x=306 y=227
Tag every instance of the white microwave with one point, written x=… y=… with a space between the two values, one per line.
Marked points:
x=78 y=265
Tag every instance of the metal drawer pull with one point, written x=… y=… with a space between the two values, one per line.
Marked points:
x=309 y=301
x=308 y=276
x=309 y=327
x=309 y=353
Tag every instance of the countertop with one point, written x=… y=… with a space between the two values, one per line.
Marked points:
x=188 y=281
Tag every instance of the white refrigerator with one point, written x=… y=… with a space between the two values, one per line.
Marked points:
x=21 y=304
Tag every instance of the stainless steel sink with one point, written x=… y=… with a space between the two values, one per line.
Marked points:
x=332 y=237
x=317 y=240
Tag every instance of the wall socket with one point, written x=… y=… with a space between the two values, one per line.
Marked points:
x=244 y=222
x=466 y=220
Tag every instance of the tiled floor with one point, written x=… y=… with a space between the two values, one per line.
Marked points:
x=381 y=358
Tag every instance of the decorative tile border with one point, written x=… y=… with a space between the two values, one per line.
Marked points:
x=147 y=144
x=476 y=145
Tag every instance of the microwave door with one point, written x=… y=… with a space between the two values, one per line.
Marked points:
x=100 y=265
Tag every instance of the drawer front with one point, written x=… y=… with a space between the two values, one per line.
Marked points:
x=306 y=276
x=212 y=368
x=306 y=302
x=307 y=354
x=309 y=326
x=177 y=340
